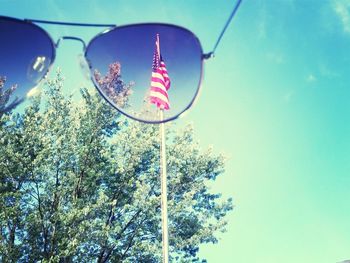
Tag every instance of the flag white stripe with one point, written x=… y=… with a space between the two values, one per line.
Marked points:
x=159 y=96
x=158 y=85
x=157 y=75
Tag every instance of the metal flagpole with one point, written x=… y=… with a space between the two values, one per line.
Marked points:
x=164 y=195
x=163 y=176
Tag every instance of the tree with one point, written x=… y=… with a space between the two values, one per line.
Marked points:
x=5 y=95
x=113 y=86
x=79 y=183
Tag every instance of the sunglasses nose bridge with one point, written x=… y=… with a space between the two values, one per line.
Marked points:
x=71 y=38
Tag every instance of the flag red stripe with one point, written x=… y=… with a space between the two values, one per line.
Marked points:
x=156 y=79
x=159 y=103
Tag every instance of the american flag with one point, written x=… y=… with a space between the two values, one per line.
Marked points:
x=160 y=81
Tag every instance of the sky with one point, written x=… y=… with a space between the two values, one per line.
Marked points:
x=274 y=99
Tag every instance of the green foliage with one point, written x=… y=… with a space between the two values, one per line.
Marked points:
x=6 y=96
x=80 y=184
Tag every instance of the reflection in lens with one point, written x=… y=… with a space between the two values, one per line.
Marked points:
x=39 y=64
x=26 y=53
x=132 y=49
x=33 y=92
x=36 y=68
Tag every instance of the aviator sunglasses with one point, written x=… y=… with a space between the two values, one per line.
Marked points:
x=140 y=69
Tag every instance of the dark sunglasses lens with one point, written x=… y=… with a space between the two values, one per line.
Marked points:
x=143 y=70
x=26 y=52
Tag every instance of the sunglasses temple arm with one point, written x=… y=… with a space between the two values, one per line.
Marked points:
x=205 y=56
x=234 y=11
x=68 y=23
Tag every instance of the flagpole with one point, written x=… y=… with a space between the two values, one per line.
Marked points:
x=163 y=176
x=164 y=195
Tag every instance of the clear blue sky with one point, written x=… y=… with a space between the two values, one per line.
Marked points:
x=275 y=99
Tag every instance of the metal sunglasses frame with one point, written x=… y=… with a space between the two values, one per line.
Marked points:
x=113 y=27
x=177 y=115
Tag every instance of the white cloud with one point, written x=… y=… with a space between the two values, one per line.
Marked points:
x=262 y=21
x=276 y=57
x=287 y=97
x=262 y=28
x=327 y=72
x=311 y=78
x=342 y=9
